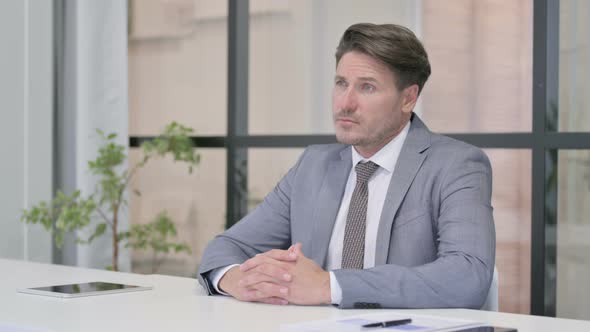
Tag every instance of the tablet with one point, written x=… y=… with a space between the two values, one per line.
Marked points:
x=487 y=329
x=83 y=289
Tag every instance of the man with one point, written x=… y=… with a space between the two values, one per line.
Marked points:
x=395 y=216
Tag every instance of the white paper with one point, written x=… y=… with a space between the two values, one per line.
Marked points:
x=420 y=323
x=11 y=328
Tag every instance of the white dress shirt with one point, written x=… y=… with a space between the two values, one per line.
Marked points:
x=378 y=184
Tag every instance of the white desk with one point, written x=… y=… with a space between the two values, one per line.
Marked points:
x=180 y=304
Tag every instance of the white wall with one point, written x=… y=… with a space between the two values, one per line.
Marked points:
x=25 y=124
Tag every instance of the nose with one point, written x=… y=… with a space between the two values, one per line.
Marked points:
x=346 y=100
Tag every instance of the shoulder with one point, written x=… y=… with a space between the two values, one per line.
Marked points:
x=327 y=148
x=326 y=152
x=448 y=159
x=315 y=161
x=316 y=158
x=460 y=167
x=441 y=149
x=450 y=149
x=455 y=162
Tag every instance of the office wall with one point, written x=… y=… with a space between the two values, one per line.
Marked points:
x=25 y=124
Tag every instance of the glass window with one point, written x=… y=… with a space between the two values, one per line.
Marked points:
x=511 y=199
x=481 y=58
x=177 y=65
x=292 y=46
x=573 y=234
x=266 y=167
x=481 y=53
x=574 y=67
x=196 y=203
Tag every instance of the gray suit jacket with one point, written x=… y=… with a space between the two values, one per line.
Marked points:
x=436 y=238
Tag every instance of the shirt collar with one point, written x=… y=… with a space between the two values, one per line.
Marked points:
x=386 y=157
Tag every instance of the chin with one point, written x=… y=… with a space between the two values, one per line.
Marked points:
x=347 y=139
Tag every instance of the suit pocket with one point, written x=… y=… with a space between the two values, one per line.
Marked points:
x=410 y=216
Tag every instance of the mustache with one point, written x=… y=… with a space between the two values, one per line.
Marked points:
x=345 y=114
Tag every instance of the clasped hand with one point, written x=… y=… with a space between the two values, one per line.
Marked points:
x=279 y=277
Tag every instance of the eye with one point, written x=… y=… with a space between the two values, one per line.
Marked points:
x=366 y=87
x=340 y=83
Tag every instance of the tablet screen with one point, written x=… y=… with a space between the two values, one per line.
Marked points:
x=85 y=287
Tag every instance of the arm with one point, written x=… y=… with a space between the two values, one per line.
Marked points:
x=265 y=228
x=215 y=276
x=461 y=275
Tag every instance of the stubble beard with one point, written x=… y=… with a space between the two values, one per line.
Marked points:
x=367 y=141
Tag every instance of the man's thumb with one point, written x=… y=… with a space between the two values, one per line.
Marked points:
x=296 y=248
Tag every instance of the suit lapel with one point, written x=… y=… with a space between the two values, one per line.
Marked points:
x=329 y=200
x=409 y=162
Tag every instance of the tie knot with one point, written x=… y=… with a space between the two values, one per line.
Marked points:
x=364 y=171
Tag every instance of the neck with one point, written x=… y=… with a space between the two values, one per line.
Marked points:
x=367 y=151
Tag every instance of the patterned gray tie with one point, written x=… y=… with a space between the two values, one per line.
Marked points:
x=353 y=252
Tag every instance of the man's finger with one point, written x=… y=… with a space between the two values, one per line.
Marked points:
x=269 y=289
x=252 y=263
x=296 y=248
x=274 y=271
x=255 y=278
x=274 y=300
x=281 y=255
x=261 y=291
x=251 y=295
x=259 y=260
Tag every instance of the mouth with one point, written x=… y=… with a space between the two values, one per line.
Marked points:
x=346 y=121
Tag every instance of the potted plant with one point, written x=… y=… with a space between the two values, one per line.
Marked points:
x=69 y=213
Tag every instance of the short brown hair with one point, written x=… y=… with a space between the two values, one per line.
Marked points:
x=394 y=45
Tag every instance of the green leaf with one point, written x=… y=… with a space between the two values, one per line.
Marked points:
x=98 y=231
x=156 y=236
x=59 y=239
x=73 y=212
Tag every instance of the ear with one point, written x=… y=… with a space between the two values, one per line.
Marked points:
x=409 y=98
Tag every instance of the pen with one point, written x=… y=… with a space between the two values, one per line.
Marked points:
x=389 y=323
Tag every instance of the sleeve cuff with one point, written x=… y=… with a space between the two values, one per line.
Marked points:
x=216 y=274
x=335 y=290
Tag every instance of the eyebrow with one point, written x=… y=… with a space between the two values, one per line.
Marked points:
x=366 y=79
